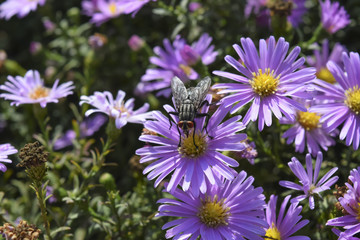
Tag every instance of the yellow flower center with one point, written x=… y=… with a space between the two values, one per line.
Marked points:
x=264 y=83
x=39 y=92
x=311 y=189
x=188 y=149
x=273 y=233
x=308 y=120
x=213 y=213
x=325 y=75
x=353 y=99
x=112 y=8
x=187 y=70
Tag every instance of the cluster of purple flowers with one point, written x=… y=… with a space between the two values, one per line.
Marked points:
x=176 y=59
x=333 y=16
x=213 y=200
x=273 y=81
x=261 y=8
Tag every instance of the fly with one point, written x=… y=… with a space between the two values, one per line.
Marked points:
x=187 y=103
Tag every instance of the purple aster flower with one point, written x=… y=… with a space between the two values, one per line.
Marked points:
x=228 y=210
x=343 y=104
x=104 y=10
x=194 y=164
x=30 y=89
x=49 y=25
x=249 y=152
x=307 y=130
x=107 y=9
x=261 y=9
x=116 y=108
x=5 y=150
x=35 y=47
x=321 y=58
x=193 y=6
x=21 y=8
x=97 y=40
x=308 y=179
x=350 y=202
x=268 y=80
x=136 y=43
x=87 y=128
x=285 y=224
x=176 y=60
x=50 y=191
x=333 y=16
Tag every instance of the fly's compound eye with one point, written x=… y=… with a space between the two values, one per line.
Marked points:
x=181 y=124
x=190 y=124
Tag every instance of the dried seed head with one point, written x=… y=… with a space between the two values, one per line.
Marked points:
x=33 y=154
x=33 y=157
x=22 y=231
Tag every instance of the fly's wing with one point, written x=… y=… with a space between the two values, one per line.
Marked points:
x=178 y=91
x=198 y=93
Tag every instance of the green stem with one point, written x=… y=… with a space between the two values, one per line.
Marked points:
x=41 y=199
x=112 y=196
x=314 y=38
x=41 y=115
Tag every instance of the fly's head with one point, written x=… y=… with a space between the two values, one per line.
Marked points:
x=186 y=126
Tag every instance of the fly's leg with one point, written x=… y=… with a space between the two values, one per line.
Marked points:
x=172 y=120
x=207 y=117
x=206 y=102
x=194 y=135
x=179 y=135
x=177 y=127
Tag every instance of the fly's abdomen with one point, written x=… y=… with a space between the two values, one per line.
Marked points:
x=187 y=111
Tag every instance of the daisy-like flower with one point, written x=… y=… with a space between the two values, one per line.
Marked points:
x=87 y=128
x=193 y=164
x=176 y=60
x=321 y=58
x=282 y=226
x=122 y=111
x=261 y=9
x=106 y=10
x=307 y=130
x=343 y=99
x=308 y=179
x=333 y=16
x=249 y=153
x=268 y=80
x=228 y=210
x=5 y=150
x=21 y=8
x=30 y=89
x=350 y=203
